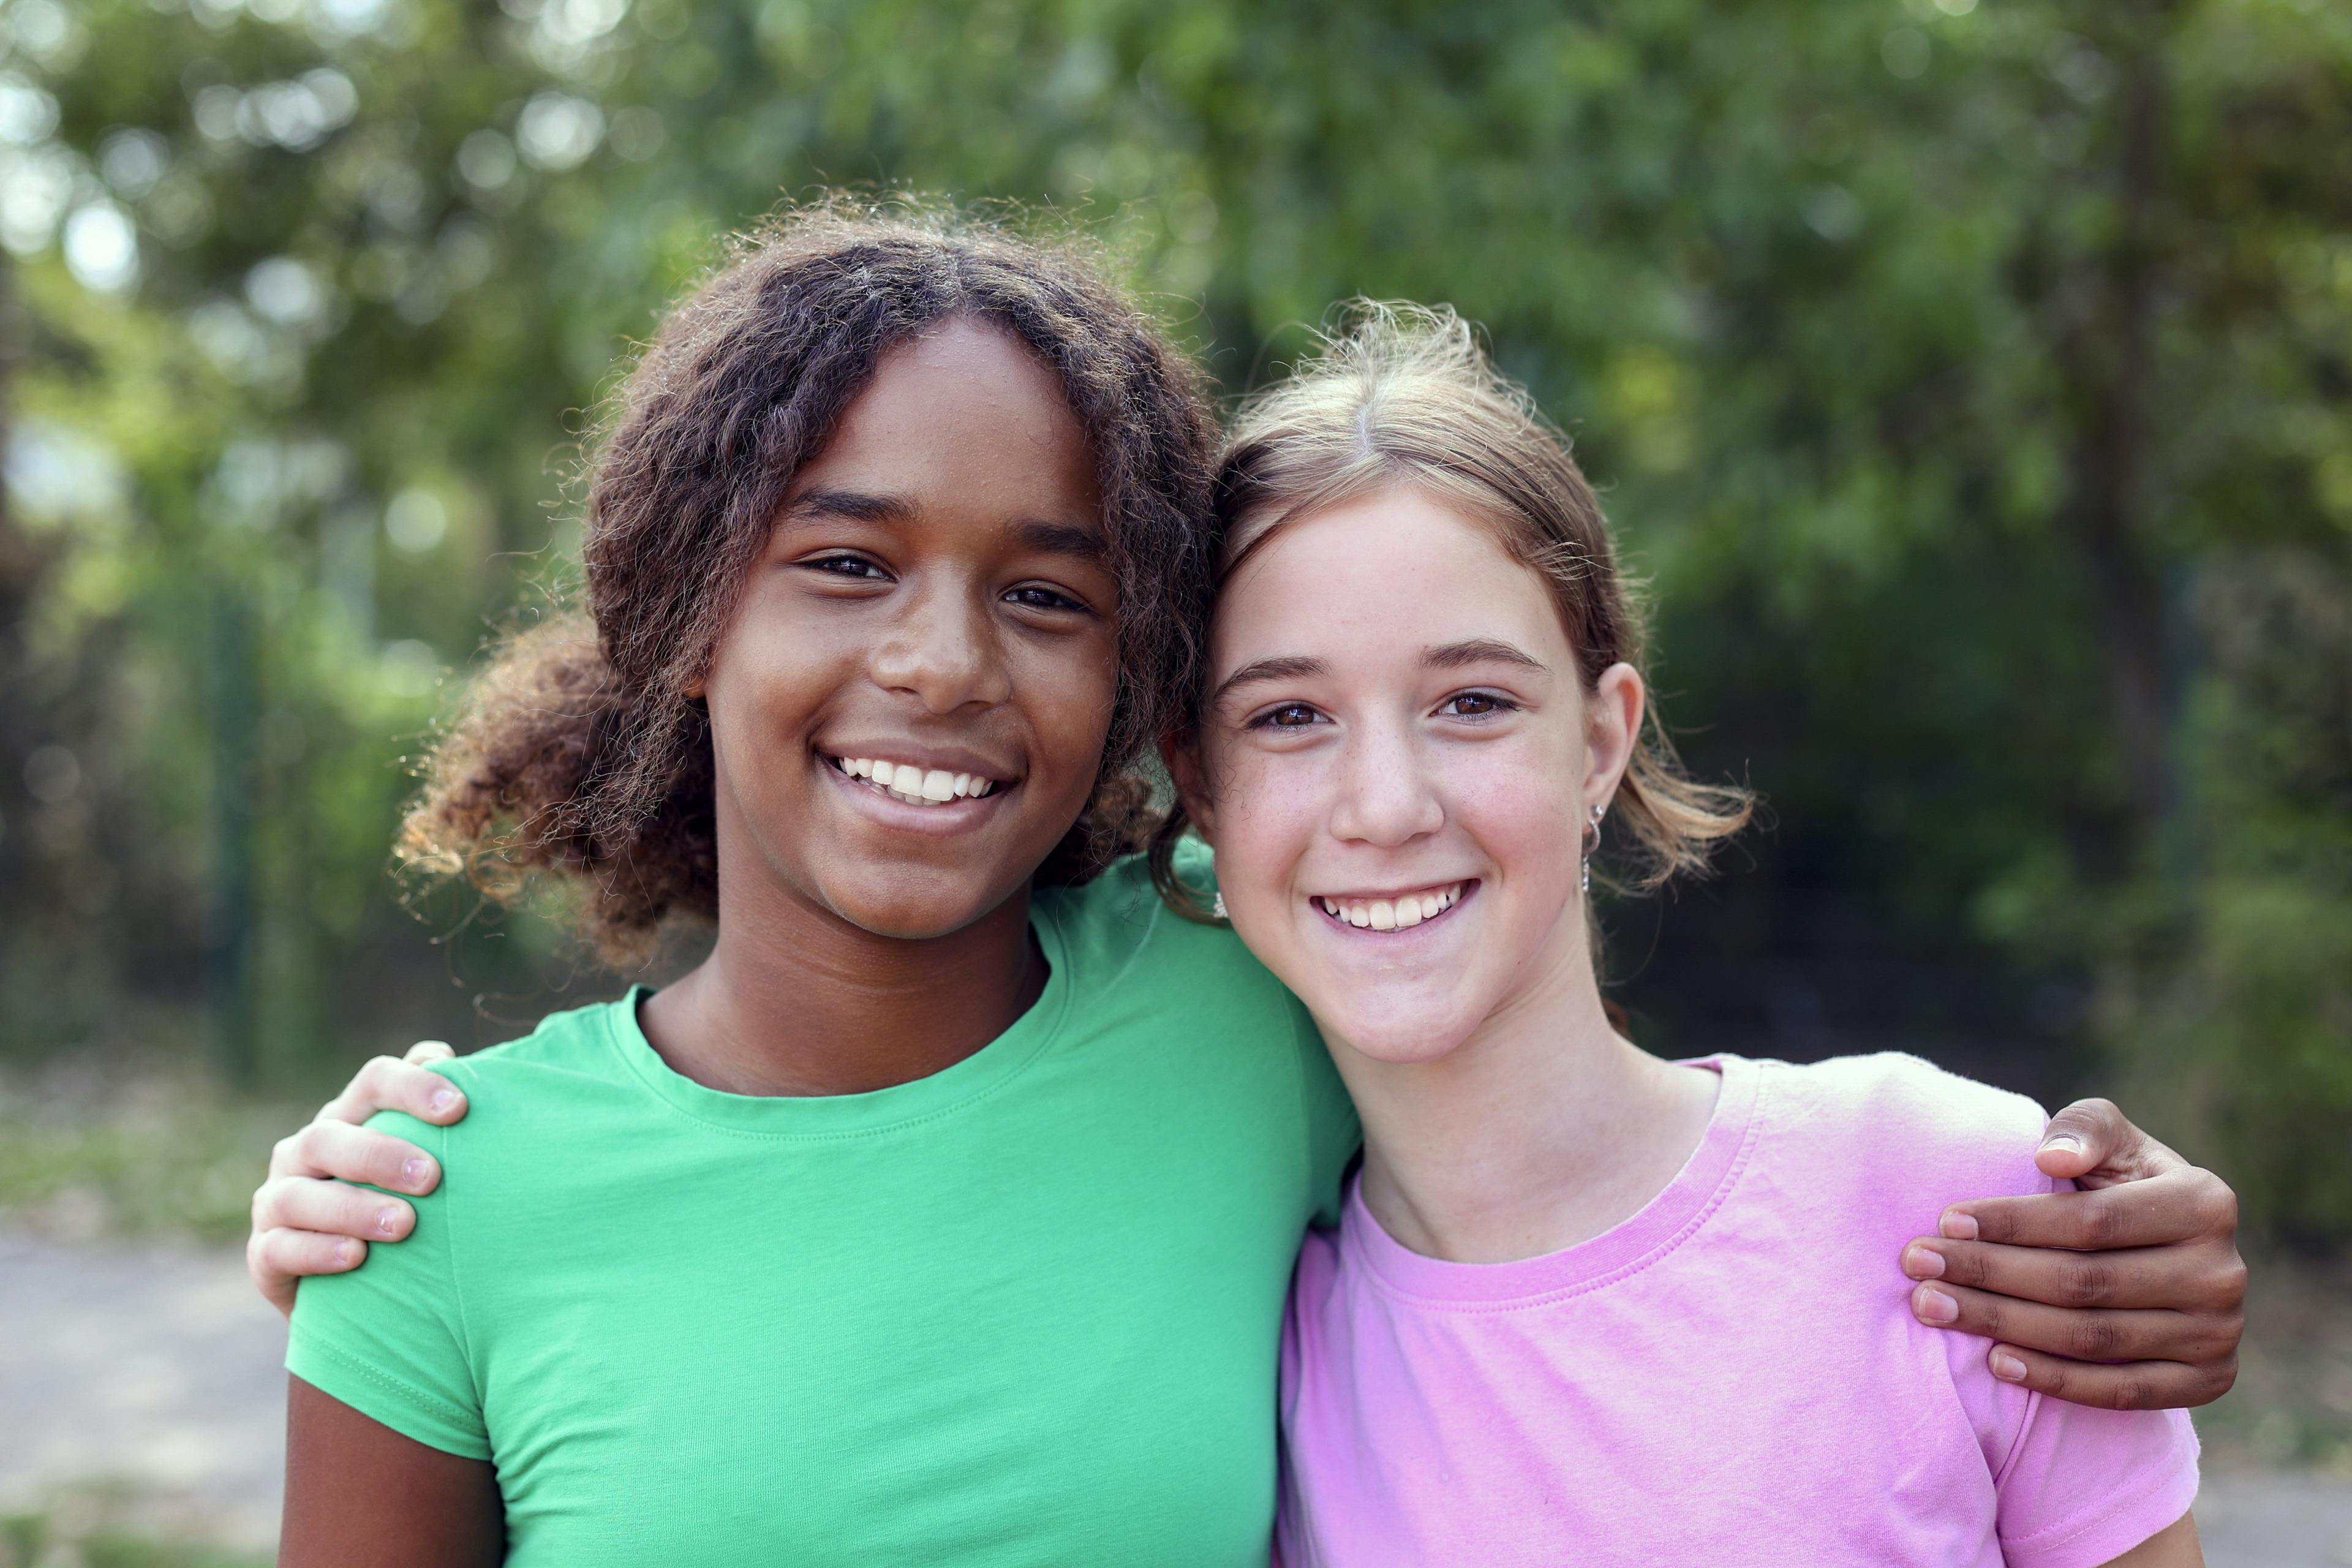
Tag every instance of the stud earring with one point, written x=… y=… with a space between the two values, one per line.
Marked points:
x=1218 y=909
x=1592 y=847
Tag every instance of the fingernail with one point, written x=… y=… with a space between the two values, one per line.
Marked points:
x=347 y=1253
x=444 y=1100
x=1934 y=1307
x=386 y=1218
x=1958 y=1226
x=2065 y=1142
x=415 y=1172
x=2007 y=1367
x=1922 y=1263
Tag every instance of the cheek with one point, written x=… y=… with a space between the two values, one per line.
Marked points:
x=1523 y=810
x=1068 y=689
x=1269 y=808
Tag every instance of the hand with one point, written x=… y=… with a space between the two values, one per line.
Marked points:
x=305 y=1218
x=2143 y=1307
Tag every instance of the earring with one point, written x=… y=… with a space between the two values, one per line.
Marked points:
x=1218 y=909
x=1592 y=847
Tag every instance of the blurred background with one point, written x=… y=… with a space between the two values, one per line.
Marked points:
x=1972 y=379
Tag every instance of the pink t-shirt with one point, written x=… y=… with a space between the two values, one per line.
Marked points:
x=1733 y=1374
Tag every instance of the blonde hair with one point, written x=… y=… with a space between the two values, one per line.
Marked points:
x=1404 y=395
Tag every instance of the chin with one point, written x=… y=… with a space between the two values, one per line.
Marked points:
x=1401 y=1035
x=917 y=915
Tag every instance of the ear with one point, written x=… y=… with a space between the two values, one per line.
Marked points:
x=1183 y=760
x=1613 y=712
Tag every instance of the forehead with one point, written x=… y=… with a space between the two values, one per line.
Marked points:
x=1400 y=568
x=961 y=412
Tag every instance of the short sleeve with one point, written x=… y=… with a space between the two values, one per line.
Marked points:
x=388 y=1338
x=2083 y=1487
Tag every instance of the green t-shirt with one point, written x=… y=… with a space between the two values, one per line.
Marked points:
x=1024 y=1310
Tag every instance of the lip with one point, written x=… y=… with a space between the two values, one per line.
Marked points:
x=960 y=815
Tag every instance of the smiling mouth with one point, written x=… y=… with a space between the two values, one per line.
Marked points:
x=1395 y=912
x=914 y=785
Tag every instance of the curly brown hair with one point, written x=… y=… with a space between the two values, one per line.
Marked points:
x=578 y=752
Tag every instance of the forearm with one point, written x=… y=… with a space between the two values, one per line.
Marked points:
x=360 y=1495
x=2174 y=1546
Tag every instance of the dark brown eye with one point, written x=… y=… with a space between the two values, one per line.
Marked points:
x=1290 y=716
x=846 y=566
x=1036 y=596
x=1476 y=705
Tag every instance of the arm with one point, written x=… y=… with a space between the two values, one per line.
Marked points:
x=2174 y=1546
x=2128 y=1294
x=305 y=1218
x=360 y=1495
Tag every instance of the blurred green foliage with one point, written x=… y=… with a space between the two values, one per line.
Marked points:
x=1972 y=377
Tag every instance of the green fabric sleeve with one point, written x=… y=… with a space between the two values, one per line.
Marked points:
x=1333 y=1134
x=388 y=1338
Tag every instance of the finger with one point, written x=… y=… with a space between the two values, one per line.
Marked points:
x=2137 y=1278
x=385 y=1084
x=424 y=1051
x=349 y=1153
x=2156 y=1212
x=277 y=1257
x=2133 y=1385
x=299 y=1203
x=2083 y=1137
x=2101 y=1334
x=2093 y=1142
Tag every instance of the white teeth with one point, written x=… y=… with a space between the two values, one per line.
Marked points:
x=1401 y=913
x=914 y=785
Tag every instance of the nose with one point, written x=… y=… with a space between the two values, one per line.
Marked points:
x=1385 y=798
x=942 y=650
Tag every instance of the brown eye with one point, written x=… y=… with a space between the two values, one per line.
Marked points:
x=854 y=566
x=1034 y=597
x=1476 y=705
x=1288 y=716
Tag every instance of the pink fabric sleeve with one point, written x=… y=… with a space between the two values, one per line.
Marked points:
x=2083 y=1487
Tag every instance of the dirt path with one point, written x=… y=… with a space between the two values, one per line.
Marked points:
x=157 y=1368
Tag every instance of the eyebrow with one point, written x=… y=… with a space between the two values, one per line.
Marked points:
x=1063 y=539
x=1477 y=650
x=1293 y=668
x=1446 y=656
x=856 y=506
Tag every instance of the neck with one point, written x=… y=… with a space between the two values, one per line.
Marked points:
x=1543 y=1130
x=794 y=1000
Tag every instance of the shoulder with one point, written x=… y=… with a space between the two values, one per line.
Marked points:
x=575 y=1041
x=569 y=1058
x=1903 y=1130
x=1116 y=927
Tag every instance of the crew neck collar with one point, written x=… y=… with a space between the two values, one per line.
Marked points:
x=942 y=1093
x=1664 y=1223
